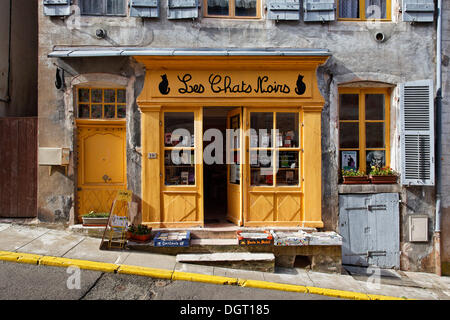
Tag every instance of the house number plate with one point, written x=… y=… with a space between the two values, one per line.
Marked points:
x=152 y=155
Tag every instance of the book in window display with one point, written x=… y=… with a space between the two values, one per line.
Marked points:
x=185 y=177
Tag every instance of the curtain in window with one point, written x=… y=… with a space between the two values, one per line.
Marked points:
x=374 y=13
x=218 y=3
x=91 y=6
x=246 y=4
x=349 y=8
x=115 y=7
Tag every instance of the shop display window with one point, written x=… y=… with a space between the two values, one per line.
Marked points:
x=179 y=150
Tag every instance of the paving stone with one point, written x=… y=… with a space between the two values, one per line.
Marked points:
x=237 y=273
x=193 y=268
x=15 y=237
x=88 y=249
x=53 y=243
x=296 y=277
x=151 y=260
x=334 y=281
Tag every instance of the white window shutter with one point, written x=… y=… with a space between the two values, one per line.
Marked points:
x=57 y=7
x=417 y=132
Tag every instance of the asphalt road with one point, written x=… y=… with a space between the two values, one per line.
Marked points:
x=31 y=282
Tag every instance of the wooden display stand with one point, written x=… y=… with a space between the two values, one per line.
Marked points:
x=115 y=233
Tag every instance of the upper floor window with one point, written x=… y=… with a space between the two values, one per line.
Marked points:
x=232 y=8
x=103 y=7
x=364 y=9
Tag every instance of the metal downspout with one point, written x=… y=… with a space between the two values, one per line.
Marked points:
x=437 y=229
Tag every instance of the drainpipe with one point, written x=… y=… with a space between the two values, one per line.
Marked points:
x=437 y=229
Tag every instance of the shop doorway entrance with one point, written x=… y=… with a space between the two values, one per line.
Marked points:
x=222 y=193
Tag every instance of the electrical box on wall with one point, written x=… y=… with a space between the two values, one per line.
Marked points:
x=418 y=228
x=53 y=156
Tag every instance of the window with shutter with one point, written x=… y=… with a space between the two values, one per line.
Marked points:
x=283 y=10
x=182 y=9
x=417 y=135
x=57 y=7
x=144 y=8
x=418 y=10
x=319 y=10
x=364 y=9
x=236 y=9
x=103 y=7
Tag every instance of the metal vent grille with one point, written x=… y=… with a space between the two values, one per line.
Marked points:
x=417 y=106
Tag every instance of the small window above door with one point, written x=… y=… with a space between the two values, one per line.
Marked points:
x=101 y=103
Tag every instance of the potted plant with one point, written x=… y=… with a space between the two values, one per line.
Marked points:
x=140 y=233
x=354 y=177
x=95 y=219
x=383 y=175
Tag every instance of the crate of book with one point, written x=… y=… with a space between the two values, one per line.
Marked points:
x=297 y=238
x=249 y=238
x=172 y=239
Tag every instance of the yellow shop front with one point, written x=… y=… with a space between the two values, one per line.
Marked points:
x=267 y=169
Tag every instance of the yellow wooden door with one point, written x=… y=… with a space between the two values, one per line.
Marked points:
x=101 y=166
x=234 y=161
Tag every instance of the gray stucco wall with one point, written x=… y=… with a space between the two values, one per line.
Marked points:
x=407 y=54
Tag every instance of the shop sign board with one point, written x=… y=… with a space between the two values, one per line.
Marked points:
x=199 y=83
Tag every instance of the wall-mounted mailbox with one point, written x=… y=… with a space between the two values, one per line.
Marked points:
x=53 y=156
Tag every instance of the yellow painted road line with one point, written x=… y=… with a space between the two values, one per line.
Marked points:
x=184 y=276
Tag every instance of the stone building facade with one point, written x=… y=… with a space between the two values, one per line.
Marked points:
x=363 y=55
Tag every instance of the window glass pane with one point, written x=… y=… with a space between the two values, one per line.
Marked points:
x=374 y=106
x=83 y=111
x=91 y=7
x=109 y=95
x=261 y=124
x=96 y=111
x=375 y=135
x=349 y=8
x=375 y=9
x=287 y=168
x=96 y=95
x=261 y=168
x=121 y=112
x=179 y=167
x=245 y=8
x=235 y=133
x=218 y=7
x=110 y=111
x=348 y=106
x=375 y=158
x=121 y=96
x=287 y=126
x=349 y=135
x=179 y=129
x=235 y=168
x=115 y=7
x=83 y=95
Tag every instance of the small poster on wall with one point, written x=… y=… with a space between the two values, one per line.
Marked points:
x=348 y=159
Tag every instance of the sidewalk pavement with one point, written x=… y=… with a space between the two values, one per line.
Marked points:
x=55 y=242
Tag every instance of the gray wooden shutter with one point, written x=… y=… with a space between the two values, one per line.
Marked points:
x=182 y=9
x=319 y=10
x=418 y=10
x=57 y=7
x=417 y=132
x=283 y=9
x=144 y=8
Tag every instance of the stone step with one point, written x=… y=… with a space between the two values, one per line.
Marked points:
x=264 y=262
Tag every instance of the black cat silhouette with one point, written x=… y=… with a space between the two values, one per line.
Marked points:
x=301 y=86
x=164 y=85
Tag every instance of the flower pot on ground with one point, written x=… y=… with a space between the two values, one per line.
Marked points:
x=354 y=177
x=95 y=219
x=383 y=175
x=139 y=233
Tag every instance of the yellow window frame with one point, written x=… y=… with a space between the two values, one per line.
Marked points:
x=362 y=12
x=231 y=11
x=103 y=103
x=362 y=150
